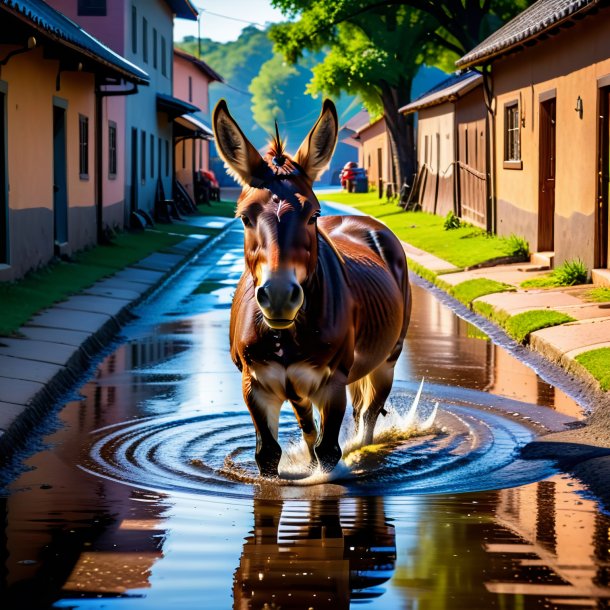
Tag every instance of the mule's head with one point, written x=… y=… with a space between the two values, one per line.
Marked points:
x=278 y=209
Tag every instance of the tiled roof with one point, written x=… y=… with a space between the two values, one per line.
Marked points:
x=184 y=9
x=533 y=21
x=211 y=74
x=451 y=88
x=58 y=28
x=358 y=121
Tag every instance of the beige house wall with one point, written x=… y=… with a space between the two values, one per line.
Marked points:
x=30 y=83
x=567 y=65
x=375 y=137
x=436 y=150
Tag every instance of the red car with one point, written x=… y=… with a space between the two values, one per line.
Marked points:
x=351 y=175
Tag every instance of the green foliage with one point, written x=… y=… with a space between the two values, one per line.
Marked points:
x=499 y=316
x=466 y=292
x=463 y=247
x=597 y=362
x=451 y=221
x=520 y=326
x=600 y=294
x=518 y=246
x=570 y=273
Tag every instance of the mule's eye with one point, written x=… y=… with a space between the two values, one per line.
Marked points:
x=313 y=218
x=247 y=222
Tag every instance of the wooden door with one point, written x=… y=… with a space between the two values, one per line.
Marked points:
x=60 y=177
x=603 y=182
x=546 y=179
x=4 y=220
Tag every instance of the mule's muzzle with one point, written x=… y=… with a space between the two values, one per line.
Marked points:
x=280 y=297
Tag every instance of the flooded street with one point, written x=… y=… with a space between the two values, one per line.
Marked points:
x=144 y=494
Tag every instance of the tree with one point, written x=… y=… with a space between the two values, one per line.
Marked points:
x=376 y=48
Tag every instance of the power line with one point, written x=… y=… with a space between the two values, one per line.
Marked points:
x=205 y=10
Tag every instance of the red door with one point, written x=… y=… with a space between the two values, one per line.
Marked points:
x=546 y=180
x=603 y=174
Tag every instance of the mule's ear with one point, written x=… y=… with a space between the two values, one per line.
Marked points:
x=317 y=148
x=241 y=158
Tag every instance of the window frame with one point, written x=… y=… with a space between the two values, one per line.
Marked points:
x=512 y=136
x=134 y=29
x=152 y=155
x=163 y=56
x=83 y=147
x=112 y=150
x=145 y=40
x=155 y=50
x=143 y=147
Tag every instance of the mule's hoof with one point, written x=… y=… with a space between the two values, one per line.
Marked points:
x=268 y=462
x=328 y=458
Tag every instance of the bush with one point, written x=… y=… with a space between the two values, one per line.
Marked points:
x=569 y=273
x=518 y=246
x=451 y=222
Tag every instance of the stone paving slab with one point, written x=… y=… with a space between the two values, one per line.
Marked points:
x=210 y=222
x=559 y=340
x=94 y=304
x=18 y=391
x=516 y=302
x=159 y=262
x=140 y=276
x=513 y=274
x=579 y=350
x=8 y=413
x=74 y=338
x=121 y=294
x=119 y=284
x=70 y=320
x=427 y=260
x=585 y=311
x=40 y=351
x=27 y=370
x=188 y=245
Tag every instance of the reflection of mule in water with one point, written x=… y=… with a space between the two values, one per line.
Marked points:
x=323 y=304
x=322 y=557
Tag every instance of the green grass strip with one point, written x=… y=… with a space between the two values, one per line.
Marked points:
x=468 y=291
x=464 y=247
x=223 y=208
x=520 y=326
x=600 y=294
x=597 y=362
x=40 y=289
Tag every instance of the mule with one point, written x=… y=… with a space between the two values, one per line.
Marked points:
x=323 y=304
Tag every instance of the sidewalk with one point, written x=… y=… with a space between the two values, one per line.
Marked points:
x=59 y=343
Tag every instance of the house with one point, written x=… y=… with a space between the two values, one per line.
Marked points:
x=375 y=153
x=451 y=148
x=141 y=31
x=53 y=82
x=549 y=74
x=192 y=132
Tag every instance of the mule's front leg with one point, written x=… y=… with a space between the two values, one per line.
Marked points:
x=331 y=400
x=264 y=407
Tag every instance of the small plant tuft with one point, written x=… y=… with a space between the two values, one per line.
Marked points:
x=518 y=246
x=570 y=273
x=451 y=222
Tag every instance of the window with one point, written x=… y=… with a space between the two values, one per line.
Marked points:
x=143 y=157
x=152 y=155
x=200 y=154
x=92 y=8
x=134 y=30
x=112 y=161
x=163 y=56
x=145 y=39
x=83 y=146
x=159 y=155
x=167 y=157
x=512 y=140
x=190 y=88
x=183 y=154
x=155 y=48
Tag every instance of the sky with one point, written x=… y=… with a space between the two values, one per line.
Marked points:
x=227 y=27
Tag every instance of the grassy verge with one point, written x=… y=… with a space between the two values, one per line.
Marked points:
x=570 y=273
x=466 y=292
x=222 y=208
x=464 y=247
x=597 y=362
x=20 y=300
x=600 y=294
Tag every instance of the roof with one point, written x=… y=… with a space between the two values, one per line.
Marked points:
x=58 y=28
x=211 y=74
x=196 y=126
x=534 y=21
x=173 y=106
x=184 y=9
x=364 y=127
x=358 y=121
x=449 y=90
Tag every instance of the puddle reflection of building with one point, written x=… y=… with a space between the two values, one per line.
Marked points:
x=561 y=545
x=319 y=555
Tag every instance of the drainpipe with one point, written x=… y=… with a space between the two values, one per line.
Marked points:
x=99 y=182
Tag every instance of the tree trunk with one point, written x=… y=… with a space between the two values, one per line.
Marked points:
x=401 y=130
